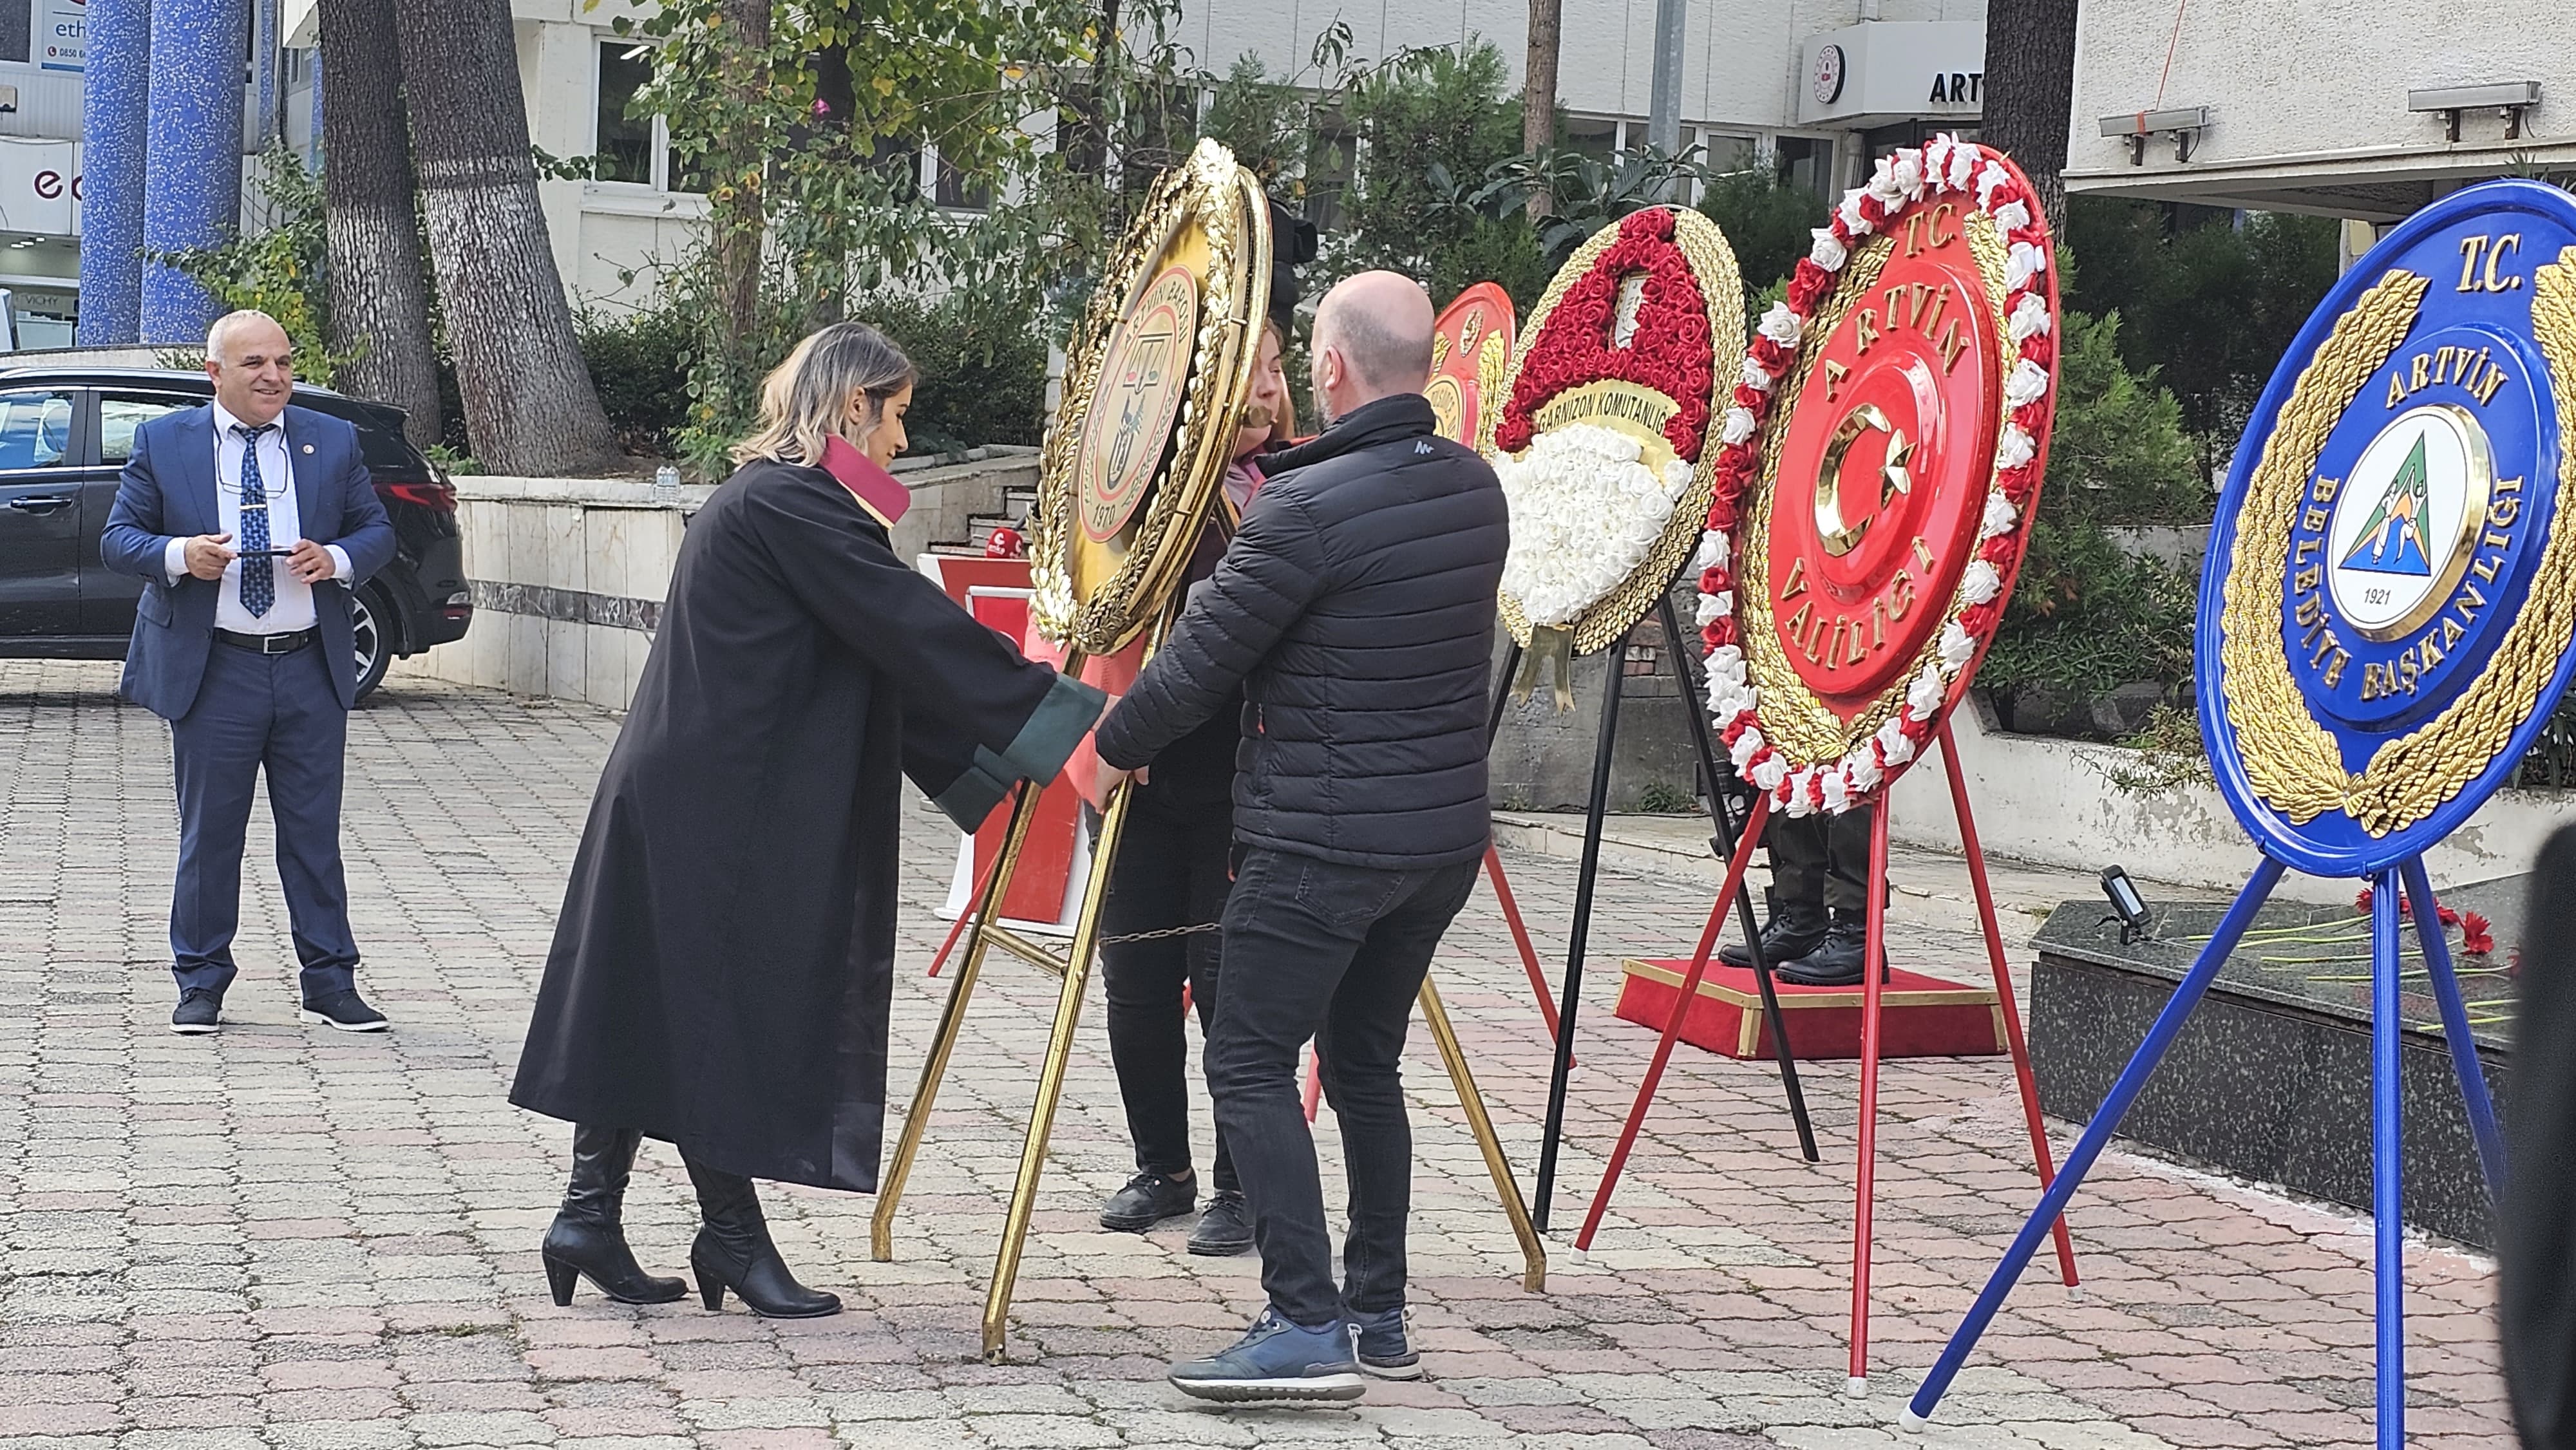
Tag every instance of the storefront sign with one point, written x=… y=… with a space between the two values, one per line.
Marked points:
x=40 y=185
x=60 y=28
x=1882 y=71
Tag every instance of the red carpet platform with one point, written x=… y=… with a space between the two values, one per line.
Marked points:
x=1919 y=1016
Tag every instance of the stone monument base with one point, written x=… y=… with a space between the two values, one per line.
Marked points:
x=2270 y=1079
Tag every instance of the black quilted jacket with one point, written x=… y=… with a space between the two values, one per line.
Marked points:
x=1355 y=612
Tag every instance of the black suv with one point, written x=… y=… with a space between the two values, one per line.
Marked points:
x=65 y=433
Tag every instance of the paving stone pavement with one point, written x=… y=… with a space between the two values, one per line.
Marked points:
x=282 y=1237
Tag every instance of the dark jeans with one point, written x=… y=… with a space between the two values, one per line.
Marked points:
x=1821 y=858
x=1170 y=871
x=275 y=714
x=1337 y=954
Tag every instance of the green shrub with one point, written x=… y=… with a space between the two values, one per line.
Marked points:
x=639 y=362
x=2087 y=616
x=1766 y=220
x=982 y=373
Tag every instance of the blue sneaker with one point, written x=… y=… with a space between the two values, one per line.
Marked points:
x=1278 y=1363
x=1386 y=1345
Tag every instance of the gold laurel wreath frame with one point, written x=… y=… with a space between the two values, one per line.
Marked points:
x=1138 y=597
x=2291 y=761
x=1721 y=288
x=1795 y=719
x=1493 y=366
x=1223 y=201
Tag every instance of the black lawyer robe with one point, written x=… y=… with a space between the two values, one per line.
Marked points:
x=722 y=968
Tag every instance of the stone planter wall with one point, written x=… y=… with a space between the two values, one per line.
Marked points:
x=569 y=575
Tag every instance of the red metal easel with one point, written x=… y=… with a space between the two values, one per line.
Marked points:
x=1875 y=963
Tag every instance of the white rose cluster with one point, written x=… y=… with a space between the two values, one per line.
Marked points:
x=1586 y=511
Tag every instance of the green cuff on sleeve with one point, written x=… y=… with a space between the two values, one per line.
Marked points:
x=1053 y=730
x=971 y=797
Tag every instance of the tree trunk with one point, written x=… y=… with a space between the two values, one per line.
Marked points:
x=379 y=292
x=529 y=405
x=1538 y=89
x=2030 y=92
x=738 y=212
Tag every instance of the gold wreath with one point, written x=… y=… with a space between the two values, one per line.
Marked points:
x=1211 y=192
x=2290 y=760
x=1794 y=719
x=1712 y=262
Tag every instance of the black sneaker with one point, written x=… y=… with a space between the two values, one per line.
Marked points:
x=200 y=1012
x=1386 y=1345
x=1226 y=1227
x=1148 y=1199
x=346 y=1011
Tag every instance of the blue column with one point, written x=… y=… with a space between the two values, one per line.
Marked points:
x=313 y=148
x=264 y=65
x=117 y=41
x=193 y=163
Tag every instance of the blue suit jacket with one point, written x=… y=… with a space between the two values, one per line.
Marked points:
x=168 y=491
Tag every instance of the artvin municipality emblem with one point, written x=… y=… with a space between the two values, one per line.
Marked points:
x=2391 y=589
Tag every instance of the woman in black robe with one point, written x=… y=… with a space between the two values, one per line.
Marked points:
x=722 y=968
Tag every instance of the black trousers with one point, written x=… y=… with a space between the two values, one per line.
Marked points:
x=1333 y=953
x=1821 y=858
x=1170 y=871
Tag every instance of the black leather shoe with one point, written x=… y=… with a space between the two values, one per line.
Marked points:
x=1148 y=1199
x=588 y=1237
x=200 y=1012
x=346 y=1011
x=733 y=1251
x=1226 y=1227
x=1838 y=960
x=1795 y=928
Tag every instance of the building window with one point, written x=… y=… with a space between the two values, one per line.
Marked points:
x=1328 y=176
x=1593 y=136
x=632 y=149
x=17 y=33
x=898 y=160
x=1808 y=162
x=958 y=191
x=1720 y=151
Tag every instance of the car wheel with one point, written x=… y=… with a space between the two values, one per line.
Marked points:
x=371 y=623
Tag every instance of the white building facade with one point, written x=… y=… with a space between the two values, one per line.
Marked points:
x=2365 y=112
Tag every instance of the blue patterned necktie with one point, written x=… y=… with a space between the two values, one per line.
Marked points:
x=258 y=575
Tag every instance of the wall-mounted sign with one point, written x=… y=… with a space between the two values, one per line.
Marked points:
x=1883 y=71
x=40 y=185
x=60 y=29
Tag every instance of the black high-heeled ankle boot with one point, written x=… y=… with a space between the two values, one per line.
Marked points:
x=588 y=1237
x=733 y=1251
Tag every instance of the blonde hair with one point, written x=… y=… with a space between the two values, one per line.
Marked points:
x=806 y=399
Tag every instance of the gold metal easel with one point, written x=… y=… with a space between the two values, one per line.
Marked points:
x=1073 y=968
x=1200 y=238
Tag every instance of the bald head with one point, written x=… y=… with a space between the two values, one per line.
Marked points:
x=253 y=365
x=1372 y=340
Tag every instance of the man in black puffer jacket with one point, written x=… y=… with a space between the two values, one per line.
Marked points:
x=1354 y=611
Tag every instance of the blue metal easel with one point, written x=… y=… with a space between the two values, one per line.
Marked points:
x=2473 y=263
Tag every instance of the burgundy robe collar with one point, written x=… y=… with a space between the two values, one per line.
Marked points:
x=874 y=488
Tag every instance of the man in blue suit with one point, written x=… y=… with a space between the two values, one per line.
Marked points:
x=249 y=522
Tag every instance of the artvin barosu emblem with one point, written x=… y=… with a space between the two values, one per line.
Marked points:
x=2388 y=587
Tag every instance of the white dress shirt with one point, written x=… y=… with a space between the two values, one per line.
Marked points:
x=292 y=610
